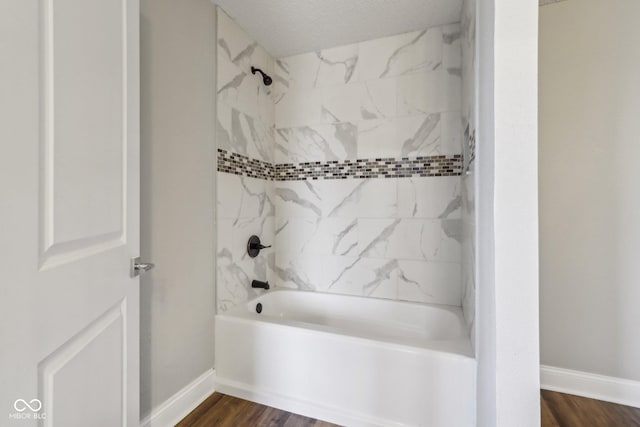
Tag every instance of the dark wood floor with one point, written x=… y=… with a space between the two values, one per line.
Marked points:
x=222 y=410
x=565 y=410
x=558 y=410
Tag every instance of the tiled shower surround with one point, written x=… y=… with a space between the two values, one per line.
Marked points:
x=354 y=173
x=245 y=126
x=468 y=177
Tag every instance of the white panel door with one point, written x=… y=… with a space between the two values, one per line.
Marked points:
x=69 y=212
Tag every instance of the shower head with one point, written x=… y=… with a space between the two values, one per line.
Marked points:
x=265 y=79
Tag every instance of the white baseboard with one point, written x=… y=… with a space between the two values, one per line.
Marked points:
x=298 y=406
x=609 y=389
x=178 y=406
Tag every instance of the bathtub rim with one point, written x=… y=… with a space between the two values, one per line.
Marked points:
x=238 y=308
x=242 y=314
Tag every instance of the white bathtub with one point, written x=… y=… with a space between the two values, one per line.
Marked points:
x=349 y=360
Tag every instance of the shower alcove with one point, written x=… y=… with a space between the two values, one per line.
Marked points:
x=354 y=158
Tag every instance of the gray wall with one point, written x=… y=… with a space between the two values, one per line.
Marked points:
x=589 y=196
x=177 y=114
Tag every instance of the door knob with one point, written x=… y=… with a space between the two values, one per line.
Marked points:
x=138 y=267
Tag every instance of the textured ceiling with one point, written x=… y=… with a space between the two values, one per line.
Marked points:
x=546 y=2
x=288 y=27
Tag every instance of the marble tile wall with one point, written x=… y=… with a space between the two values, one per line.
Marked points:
x=397 y=97
x=245 y=130
x=371 y=237
x=245 y=122
x=244 y=208
x=468 y=215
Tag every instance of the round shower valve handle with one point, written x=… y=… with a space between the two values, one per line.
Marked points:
x=259 y=247
x=254 y=246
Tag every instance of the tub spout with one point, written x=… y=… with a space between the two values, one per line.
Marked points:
x=260 y=285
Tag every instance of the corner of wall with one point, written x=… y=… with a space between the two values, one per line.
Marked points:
x=177 y=115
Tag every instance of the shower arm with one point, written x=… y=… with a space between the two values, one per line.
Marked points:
x=265 y=78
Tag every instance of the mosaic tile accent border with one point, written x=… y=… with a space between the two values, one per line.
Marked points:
x=238 y=164
x=422 y=166
x=372 y=168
